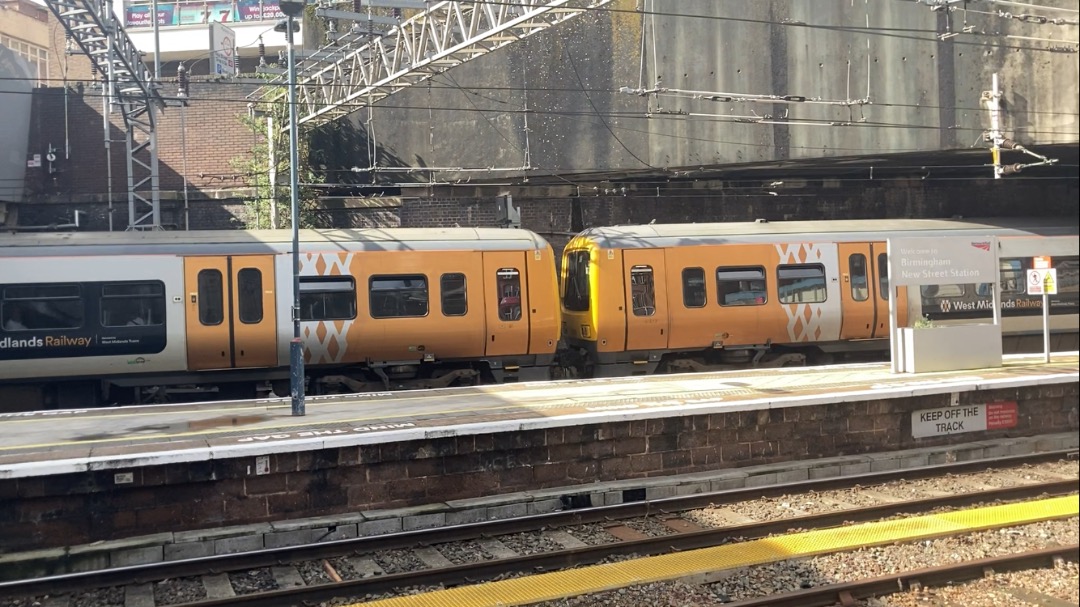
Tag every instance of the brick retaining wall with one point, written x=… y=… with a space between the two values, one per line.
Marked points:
x=74 y=509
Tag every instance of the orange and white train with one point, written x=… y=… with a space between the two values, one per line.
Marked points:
x=102 y=318
x=682 y=297
x=86 y=316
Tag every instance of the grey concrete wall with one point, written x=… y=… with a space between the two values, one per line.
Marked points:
x=15 y=86
x=914 y=90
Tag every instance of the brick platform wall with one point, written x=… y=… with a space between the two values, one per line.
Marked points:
x=81 y=508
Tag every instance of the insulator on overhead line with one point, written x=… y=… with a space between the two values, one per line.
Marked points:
x=357 y=5
x=262 y=52
x=183 y=79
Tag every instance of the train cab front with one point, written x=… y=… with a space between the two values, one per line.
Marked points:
x=577 y=293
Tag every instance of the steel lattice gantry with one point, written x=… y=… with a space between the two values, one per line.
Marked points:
x=94 y=27
x=353 y=72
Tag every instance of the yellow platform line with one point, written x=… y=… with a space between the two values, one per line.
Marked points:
x=597 y=578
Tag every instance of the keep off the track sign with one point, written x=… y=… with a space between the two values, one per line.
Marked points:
x=960 y=419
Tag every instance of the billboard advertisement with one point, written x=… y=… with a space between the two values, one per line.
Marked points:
x=201 y=13
x=254 y=10
x=139 y=16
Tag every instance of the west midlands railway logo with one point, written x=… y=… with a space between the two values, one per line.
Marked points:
x=985 y=246
x=31 y=342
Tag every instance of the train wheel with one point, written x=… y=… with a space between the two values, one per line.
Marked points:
x=816 y=358
x=281 y=388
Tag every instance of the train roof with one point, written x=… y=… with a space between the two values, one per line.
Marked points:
x=846 y=230
x=268 y=241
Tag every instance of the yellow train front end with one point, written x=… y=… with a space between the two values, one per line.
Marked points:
x=593 y=304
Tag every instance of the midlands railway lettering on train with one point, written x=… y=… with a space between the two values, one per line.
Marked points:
x=948 y=305
x=61 y=341
x=29 y=342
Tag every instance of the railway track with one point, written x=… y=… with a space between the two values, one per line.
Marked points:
x=917 y=580
x=375 y=566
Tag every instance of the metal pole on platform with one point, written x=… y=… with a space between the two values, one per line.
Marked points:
x=1046 y=327
x=296 y=346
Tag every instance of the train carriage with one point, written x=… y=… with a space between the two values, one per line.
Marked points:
x=85 y=316
x=641 y=299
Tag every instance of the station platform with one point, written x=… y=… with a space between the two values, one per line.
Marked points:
x=404 y=460
x=45 y=443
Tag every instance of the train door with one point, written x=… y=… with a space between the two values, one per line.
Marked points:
x=231 y=320
x=506 y=301
x=881 y=276
x=646 y=309
x=859 y=299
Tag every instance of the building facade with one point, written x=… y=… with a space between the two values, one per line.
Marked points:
x=24 y=28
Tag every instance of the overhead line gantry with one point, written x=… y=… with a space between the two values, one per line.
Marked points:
x=356 y=70
x=128 y=83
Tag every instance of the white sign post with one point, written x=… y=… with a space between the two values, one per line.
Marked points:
x=1043 y=281
x=222 y=50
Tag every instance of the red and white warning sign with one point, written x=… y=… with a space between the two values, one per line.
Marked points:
x=1042 y=282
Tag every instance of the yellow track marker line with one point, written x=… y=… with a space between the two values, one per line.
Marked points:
x=598 y=578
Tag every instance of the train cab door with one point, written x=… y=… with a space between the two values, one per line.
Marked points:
x=506 y=303
x=646 y=308
x=858 y=295
x=231 y=319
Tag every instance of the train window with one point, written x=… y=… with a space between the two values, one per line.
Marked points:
x=249 y=295
x=642 y=295
x=693 y=287
x=129 y=304
x=741 y=286
x=453 y=294
x=508 y=285
x=402 y=296
x=576 y=296
x=211 y=297
x=801 y=283
x=41 y=307
x=1068 y=285
x=860 y=285
x=1012 y=279
x=883 y=275
x=327 y=298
